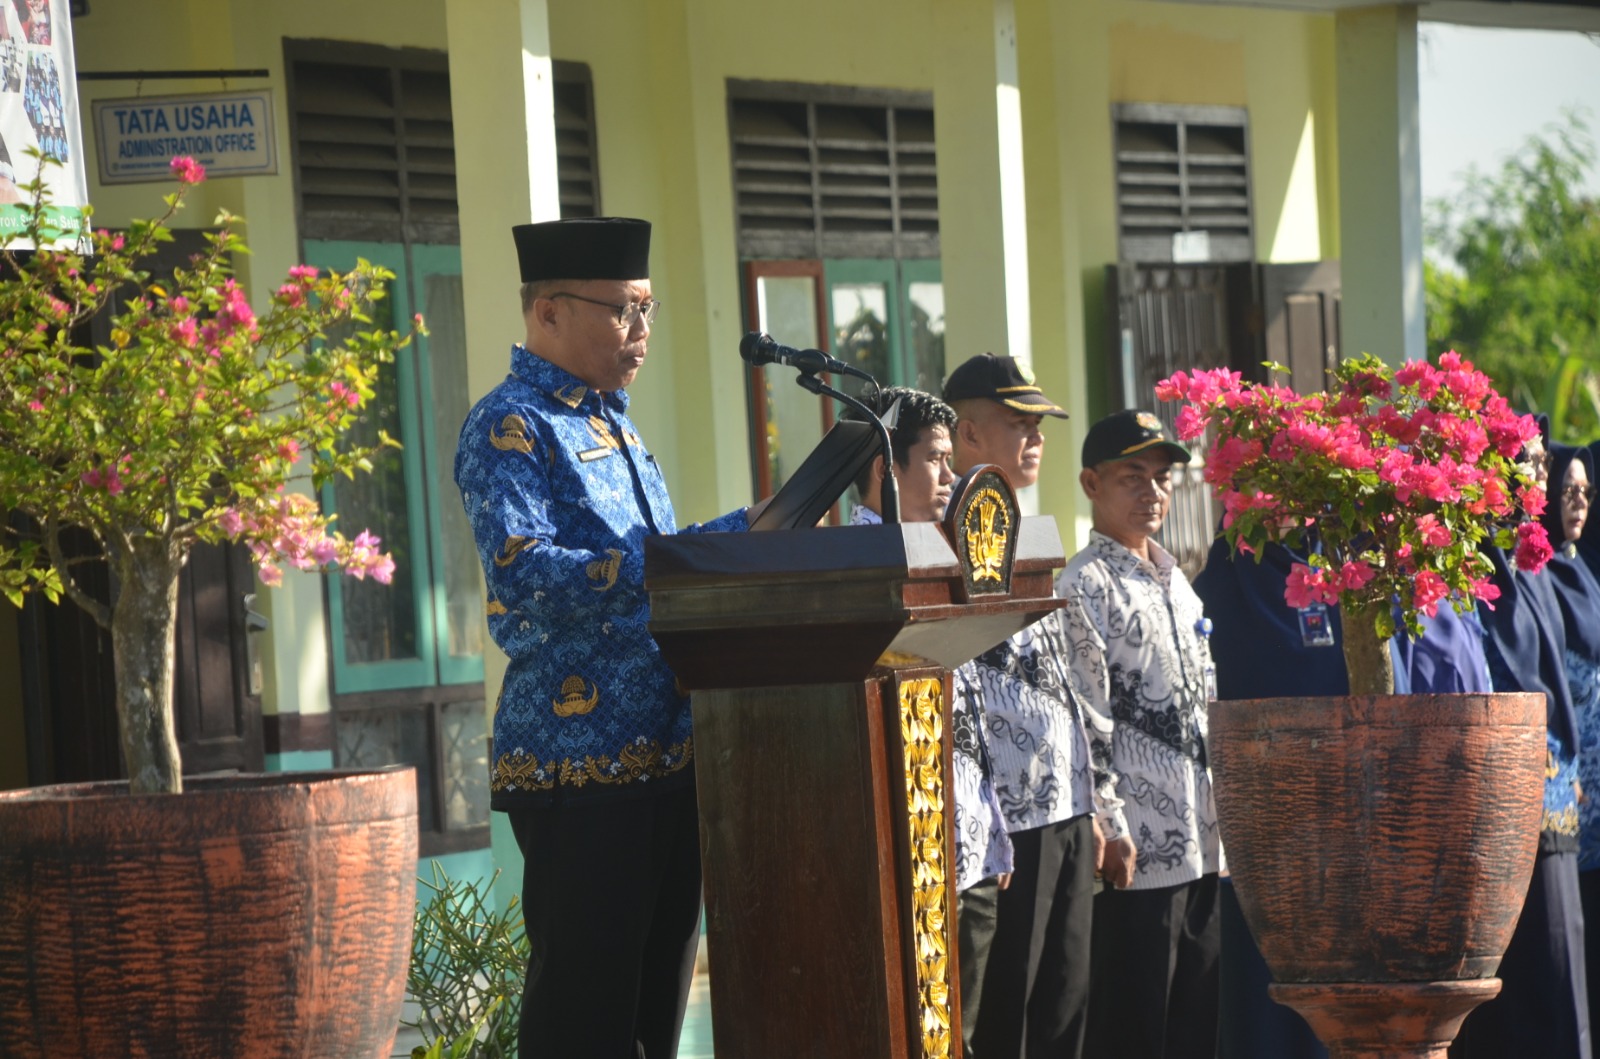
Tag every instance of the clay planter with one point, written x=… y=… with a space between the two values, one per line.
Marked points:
x=254 y=915
x=1379 y=840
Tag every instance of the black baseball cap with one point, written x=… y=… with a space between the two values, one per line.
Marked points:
x=1000 y=379
x=1128 y=433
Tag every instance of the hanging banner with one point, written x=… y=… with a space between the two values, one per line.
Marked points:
x=230 y=133
x=39 y=110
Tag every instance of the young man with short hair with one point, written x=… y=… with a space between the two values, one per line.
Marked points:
x=1036 y=989
x=1139 y=661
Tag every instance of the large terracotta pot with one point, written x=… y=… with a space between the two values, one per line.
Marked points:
x=1380 y=838
x=253 y=915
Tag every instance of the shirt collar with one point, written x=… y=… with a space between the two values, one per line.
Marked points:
x=560 y=383
x=864 y=516
x=1123 y=562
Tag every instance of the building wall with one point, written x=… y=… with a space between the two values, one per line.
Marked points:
x=243 y=34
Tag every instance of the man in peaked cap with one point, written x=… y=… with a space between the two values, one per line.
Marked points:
x=593 y=753
x=1035 y=989
x=1141 y=664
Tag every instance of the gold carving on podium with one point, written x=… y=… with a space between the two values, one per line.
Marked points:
x=986 y=542
x=922 y=732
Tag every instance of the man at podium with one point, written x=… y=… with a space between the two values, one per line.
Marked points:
x=592 y=756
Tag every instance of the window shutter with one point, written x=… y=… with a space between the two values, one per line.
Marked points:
x=374 y=143
x=1182 y=169
x=830 y=172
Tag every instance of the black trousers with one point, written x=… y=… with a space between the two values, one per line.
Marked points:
x=1036 y=989
x=1156 y=956
x=611 y=895
x=1543 y=1006
x=975 y=918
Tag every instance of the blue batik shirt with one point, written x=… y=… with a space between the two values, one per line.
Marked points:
x=561 y=494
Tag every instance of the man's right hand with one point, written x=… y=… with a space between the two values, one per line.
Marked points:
x=1121 y=858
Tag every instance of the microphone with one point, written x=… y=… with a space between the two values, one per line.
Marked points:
x=758 y=347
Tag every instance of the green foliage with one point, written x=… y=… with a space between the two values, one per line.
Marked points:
x=1523 y=296
x=188 y=426
x=468 y=960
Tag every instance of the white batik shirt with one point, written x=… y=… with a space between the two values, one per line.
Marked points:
x=983 y=849
x=1038 y=745
x=1138 y=660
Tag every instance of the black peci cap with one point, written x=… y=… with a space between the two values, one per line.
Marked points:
x=1128 y=433
x=584 y=248
x=1000 y=379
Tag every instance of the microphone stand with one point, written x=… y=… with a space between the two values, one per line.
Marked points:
x=890 y=496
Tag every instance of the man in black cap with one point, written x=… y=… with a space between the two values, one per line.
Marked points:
x=1035 y=992
x=1141 y=664
x=593 y=753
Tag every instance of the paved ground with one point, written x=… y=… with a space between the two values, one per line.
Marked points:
x=695 y=1043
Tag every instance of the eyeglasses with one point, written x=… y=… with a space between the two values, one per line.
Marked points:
x=1573 y=493
x=626 y=313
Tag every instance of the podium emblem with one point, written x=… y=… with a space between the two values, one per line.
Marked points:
x=982 y=526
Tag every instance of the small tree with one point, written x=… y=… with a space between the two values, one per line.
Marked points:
x=1518 y=291
x=1392 y=481
x=188 y=426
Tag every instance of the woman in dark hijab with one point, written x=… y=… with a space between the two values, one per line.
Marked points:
x=1543 y=1006
x=1264 y=648
x=1566 y=520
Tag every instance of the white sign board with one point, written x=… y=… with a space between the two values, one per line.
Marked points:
x=1191 y=248
x=39 y=111
x=230 y=133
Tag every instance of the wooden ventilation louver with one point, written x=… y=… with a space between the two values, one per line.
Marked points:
x=1182 y=169
x=577 y=162
x=374 y=143
x=830 y=172
x=374 y=147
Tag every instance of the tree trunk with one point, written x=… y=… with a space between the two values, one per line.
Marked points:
x=1367 y=659
x=144 y=623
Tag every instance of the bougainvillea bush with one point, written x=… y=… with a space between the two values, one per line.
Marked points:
x=190 y=424
x=1390 y=483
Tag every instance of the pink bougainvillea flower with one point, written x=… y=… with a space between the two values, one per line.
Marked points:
x=1434 y=533
x=1427 y=589
x=187 y=170
x=1533 y=548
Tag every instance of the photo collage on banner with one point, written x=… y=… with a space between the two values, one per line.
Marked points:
x=38 y=110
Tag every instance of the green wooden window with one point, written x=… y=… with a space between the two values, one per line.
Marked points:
x=425 y=628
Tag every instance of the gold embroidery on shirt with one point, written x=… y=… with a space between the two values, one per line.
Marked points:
x=602 y=433
x=513 y=435
x=519 y=771
x=603 y=572
x=494 y=607
x=571 y=396
x=573 y=697
x=513 y=547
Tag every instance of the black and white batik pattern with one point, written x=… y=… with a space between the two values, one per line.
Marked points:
x=1038 y=749
x=983 y=848
x=1137 y=661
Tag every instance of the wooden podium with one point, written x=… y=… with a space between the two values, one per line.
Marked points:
x=818 y=663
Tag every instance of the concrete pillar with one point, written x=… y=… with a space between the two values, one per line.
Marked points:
x=983 y=218
x=1048 y=32
x=499 y=83
x=1380 y=183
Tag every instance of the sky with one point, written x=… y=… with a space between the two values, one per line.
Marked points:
x=1483 y=92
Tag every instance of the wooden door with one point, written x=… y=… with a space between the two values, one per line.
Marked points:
x=1300 y=314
